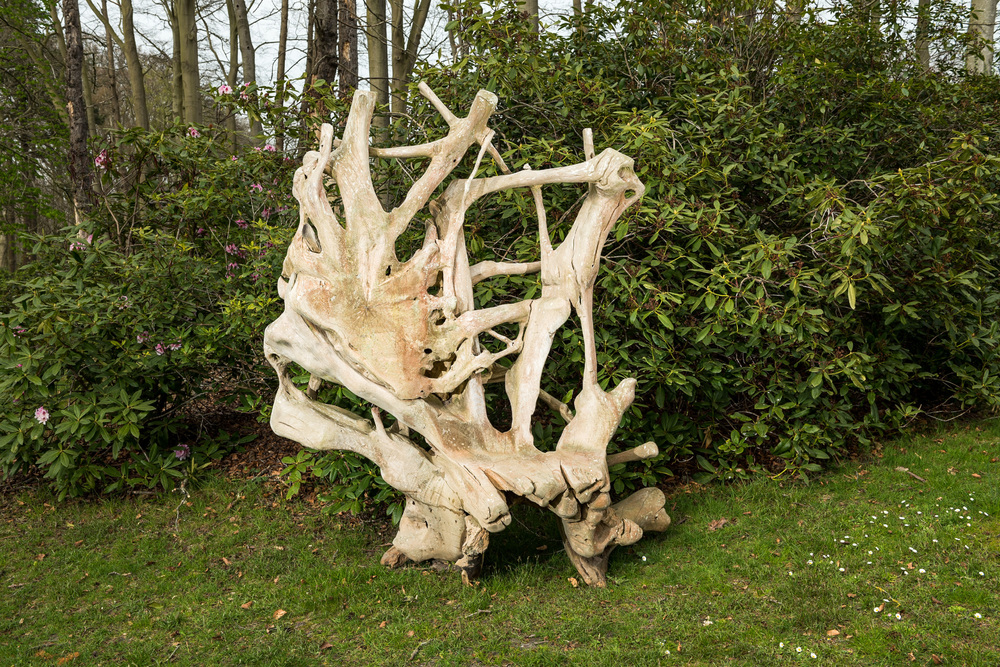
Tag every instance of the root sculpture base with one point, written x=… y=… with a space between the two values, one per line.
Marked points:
x=405 y=336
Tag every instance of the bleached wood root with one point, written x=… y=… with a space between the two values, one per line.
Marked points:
x=357 y=317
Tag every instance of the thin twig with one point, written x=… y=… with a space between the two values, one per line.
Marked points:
x=913 y=475
x=419 y=646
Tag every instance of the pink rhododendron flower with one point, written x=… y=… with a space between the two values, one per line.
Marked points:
x=182 y=452
x=256 y=186
x=193 y=132
x=242 y=224
x=160 y=350
x=225 y=90
x=102 y=160
x=42 y=415
x=231 y=249
x=270 y=148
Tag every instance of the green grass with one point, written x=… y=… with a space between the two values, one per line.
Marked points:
x=151 y=581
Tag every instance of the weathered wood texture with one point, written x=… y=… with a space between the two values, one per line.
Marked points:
x=404 y=336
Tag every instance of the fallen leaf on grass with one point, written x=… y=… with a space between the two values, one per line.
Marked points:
x=852 y=595
x=977 y=476
x=716 y=524
x=410 y=633
x=278 y=614
x=936 y=659
x=325 y=646
x=382 y=624
x=246 y=605
x=832 y=633
x=226 y=561
x=573 y=582
x=72 y=656
x=40 y=557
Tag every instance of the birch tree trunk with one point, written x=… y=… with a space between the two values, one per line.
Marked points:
x=982 y=23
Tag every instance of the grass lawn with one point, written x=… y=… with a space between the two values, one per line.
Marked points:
x=867 y=565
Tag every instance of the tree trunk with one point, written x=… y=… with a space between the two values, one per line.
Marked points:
x=348 y=59
x=80 y=173
x=234 y=66
x=137 y=81
x=190 y=74
x=923 y=48
x=177 y=75
x=116 y=105
x=378 y=58
x=310 y=74
x=279 y=94
x=404 y=49
x=325 y=53
x=249 y=61
x=981 y=26
x=88 y=95
x=84 y=76
x=530 y=9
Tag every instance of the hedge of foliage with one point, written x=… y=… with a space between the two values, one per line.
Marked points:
x=815 y=261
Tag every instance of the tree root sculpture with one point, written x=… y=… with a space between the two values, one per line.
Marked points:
x=405 y=336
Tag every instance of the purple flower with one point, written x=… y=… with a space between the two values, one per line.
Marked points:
x=232 y=265
x=160 y=350
x=182 y=452
x=233 y=158
x=193 y=132
x=225 y=90
x=231 y=249
x=200 y=231
x=19 y=330
x=256 y=186
x=242 y=224
x=42 y=415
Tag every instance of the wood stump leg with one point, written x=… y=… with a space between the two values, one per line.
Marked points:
x=394 y=558
x=477 y=539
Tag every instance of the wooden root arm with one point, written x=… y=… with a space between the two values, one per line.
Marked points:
x=357 y=317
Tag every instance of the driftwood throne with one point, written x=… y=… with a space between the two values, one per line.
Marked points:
x=405 y=336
